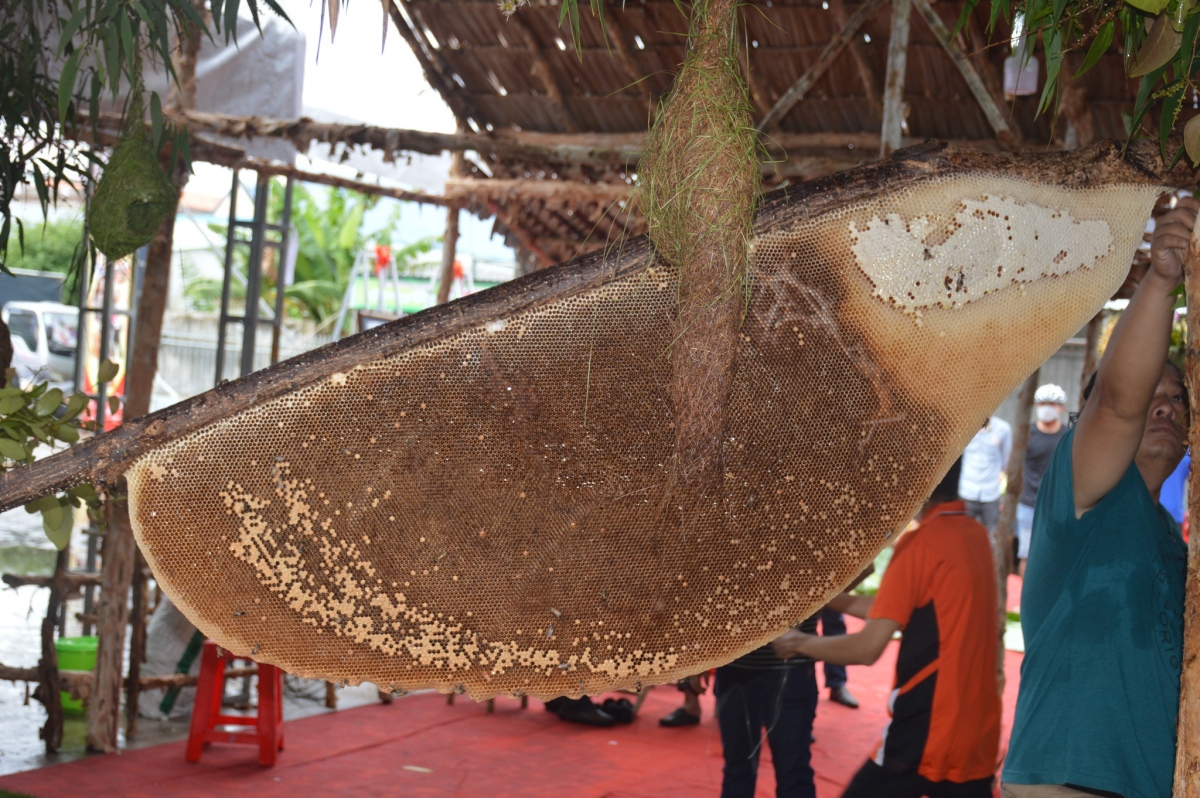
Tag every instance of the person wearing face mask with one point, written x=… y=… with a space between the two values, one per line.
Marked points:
x=1102 y=601
x=1047 y=431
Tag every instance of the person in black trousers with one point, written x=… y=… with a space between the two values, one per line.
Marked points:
x=761 y=691
x=834 y=623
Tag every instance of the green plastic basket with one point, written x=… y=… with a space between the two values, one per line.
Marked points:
x=75 y=654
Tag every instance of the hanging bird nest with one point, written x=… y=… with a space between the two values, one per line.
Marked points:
x=134 y=194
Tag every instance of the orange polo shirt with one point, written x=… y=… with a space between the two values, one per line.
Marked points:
x=940 y=586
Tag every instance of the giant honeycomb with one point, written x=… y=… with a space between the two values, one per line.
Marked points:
x=483 y=511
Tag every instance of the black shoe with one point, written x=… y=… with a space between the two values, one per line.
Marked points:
x=680 y=717
x=580 y=710
x=620 y=709
x=840 y=695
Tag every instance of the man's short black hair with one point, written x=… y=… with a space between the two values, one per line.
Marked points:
x=947 y=489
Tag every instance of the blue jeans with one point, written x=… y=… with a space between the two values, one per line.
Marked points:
x=784 y=702
x=1024 y=530
x=832 y=623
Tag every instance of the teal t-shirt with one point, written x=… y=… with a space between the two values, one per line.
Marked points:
x=1102 y=613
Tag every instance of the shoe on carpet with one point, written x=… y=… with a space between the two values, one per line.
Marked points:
x=840 y=695
x=621 y=709
x=679 y=717
x=580 y=710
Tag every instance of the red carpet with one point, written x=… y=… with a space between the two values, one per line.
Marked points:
x=420 y=746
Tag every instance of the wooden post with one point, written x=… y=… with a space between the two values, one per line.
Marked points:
x=118 y=556
x=893 y=88
x=137 y=644
x=50 y=684
x=1008 y=513
x=450 y=239
x=1187 y=750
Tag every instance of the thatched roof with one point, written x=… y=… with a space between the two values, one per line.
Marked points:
x=522 y=78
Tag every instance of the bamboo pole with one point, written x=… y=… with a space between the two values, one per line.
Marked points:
x=1091 y=353
x=1187 y=750
x=1008 y=513
x=450 y=238
x=892 y=129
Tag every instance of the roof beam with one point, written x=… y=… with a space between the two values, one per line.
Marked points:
x=362 y=187
x=892 y=129
x=544 y=74
x=802 y=86
x=861 y=65
x=995 y=117
x=437 y=71
x=620 y=39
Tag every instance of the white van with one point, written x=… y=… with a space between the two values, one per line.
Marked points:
x=44 y=339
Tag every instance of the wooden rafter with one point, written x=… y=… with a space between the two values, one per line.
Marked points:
x=362 y=187
x=544 y=73
x=802 y=86
x=892 y=129
x=620 y=40
x=863 y=67
x=1004 y=133
x=436 y=70
x=502 y=192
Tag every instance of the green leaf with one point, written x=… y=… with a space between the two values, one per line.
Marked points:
x=86 y=492
x=156 y=121
x=12 y=450
x=66 y=433
x=49 y=402
x=1160 y=46
x=1052 y=40
x=11 y=404
x=58 y=525
x=114 y=404
x=75 y=405
x=1170 y=112
x=66 y=84
x=1099 y=47
x=1151 y=7
x=107 y=371
x=69 y=30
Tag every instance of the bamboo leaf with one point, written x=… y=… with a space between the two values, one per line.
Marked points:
x=156 y=121
x=66 y=85
x=69 y=30
x=1099 y=47
x=231 y=9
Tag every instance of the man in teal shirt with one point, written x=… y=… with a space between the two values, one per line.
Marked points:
x=1102 y=602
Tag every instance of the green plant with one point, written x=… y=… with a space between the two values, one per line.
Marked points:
x=57 y=59
x=39 y=415
x=51 y=247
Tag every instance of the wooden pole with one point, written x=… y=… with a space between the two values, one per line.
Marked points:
x=50 y=684
x=450 y=239
x=802 y=86
x=118 y=556
x=1187 y=750
x=137 y=644
x=892 y=131
x=1008 y=512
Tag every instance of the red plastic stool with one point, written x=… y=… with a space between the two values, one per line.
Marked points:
x=267 y=725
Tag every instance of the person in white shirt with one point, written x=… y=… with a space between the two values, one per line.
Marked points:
x=983 y=465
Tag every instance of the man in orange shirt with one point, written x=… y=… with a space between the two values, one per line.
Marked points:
x=939 y=588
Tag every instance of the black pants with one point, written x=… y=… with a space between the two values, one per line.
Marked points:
x=872 y=781
x=833 y=623
x=784 y=702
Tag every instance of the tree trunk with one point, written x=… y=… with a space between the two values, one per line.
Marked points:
x=50 y=684
x=1187 y=751
x=1008 y=513
x=118 y=557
